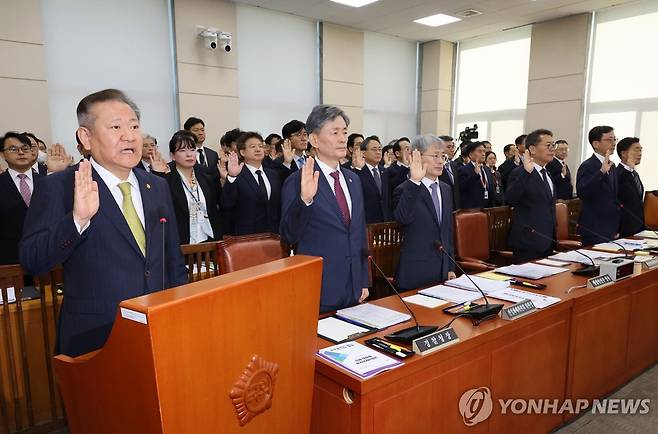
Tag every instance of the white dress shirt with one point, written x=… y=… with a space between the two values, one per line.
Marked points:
x=538 y=168
x=200 y=228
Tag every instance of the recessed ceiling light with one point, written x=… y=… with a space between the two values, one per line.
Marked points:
x=354 y=3
x=437 y=20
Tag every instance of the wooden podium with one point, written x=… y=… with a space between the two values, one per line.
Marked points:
x=229 y=354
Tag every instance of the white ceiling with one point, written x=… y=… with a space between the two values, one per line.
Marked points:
x=395 y=17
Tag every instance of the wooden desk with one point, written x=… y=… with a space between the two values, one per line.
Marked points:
x=585 y=346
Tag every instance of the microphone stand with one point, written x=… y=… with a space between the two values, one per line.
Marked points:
x=585 y=270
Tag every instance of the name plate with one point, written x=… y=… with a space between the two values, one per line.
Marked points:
x=650 y=264
x=599 y=281
x=435 y=341
x=518 y=310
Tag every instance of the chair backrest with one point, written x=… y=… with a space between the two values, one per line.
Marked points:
x=651 y=209
x=573 y=206
x=500 y=220
x=201 y=260
x=472 y=235
x=562 y=215
x=384 y=243
x=244 y=251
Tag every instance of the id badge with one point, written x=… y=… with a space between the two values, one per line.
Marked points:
x=486 y=194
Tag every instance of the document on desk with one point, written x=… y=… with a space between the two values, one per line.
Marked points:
x=486 y=285
x=574 y=256
x=358 y=359
x=531 y=270
x=424 y=300
x=372 y=315
x=448 y=293
x=626 y=243
x=516 y=295
x=337 y=330
x=11 y=295
x=647 y=234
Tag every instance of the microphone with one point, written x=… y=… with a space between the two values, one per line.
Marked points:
x=481 y=312
x=585 y=270
x=578 y=225
x=410 y=333
x=163 y=222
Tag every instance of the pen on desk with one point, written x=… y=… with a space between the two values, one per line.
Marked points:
x=527 y=284
x=388 y=349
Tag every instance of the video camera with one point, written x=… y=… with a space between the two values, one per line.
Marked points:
x=469 y=134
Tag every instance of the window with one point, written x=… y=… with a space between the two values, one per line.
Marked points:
x=623 y=89
x=492 y=86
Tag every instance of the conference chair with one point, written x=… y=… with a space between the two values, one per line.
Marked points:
x=384 y=243
x=201 y=260
x=236 y=253
x=651 y=209
x=472 y=242
x=500 y=219
x=564 y=240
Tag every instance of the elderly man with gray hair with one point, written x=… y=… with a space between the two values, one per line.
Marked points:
x=423 y=206
x=323 y=212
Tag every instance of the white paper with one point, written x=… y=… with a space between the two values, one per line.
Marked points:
x=516 y=295
x=530 y=270
x=448 y=293
x=424 y=300
x=647 y=234
x=486 y=285
x=373 y=316
x=133 y=315
x=358 y=359
x=551 y=262
x=573 y=256
x=11 y=295
x=338 y=330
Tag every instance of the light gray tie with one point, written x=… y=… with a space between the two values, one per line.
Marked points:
x=435 y=199
x=378 y=179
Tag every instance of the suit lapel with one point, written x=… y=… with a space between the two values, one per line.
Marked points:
x=427 y=199
x=325 y=190
x=111 y=210
x=353 y=192
x=11 y=188
x=248 y=178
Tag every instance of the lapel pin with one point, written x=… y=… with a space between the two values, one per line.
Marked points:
x=148 y=186
x=349 y=180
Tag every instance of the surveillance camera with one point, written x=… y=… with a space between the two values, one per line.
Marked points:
x=226 y=46
x=211 y=41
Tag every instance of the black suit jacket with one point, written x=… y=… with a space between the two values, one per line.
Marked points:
x=211 y=191
x=393 y=176
x=421 y=264
x=533 y=217
x=600 y=213
x=563 y=186
x=505 y=169
x=252 y=211
x=632 y=203
x=471 y=189
x=452 y=182
x=372 y=197
x=210 y=169
x=12 y=216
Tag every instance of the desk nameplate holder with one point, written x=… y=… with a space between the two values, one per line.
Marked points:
x=517 y=310
x=438 y=340
x=650 y=264
x=599 y=281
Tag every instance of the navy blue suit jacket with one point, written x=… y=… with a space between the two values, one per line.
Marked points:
x=103 y=265
x=421 y=263
x=470 y=187
x=505 y=169
x=599 y=209
x=632 y=202
x=319 y=230
x=372 y=197
x=12 y=216
x=453 y=183
x=253 y=212
x=393 y=176
x=563 y=186
x=534 y=209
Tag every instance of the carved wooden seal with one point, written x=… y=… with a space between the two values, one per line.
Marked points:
x=252 y=393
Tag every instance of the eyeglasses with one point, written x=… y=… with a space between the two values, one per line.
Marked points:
x=300 y=134
x=24 y=148
x=438 y=157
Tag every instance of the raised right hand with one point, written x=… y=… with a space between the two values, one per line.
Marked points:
x=234 y=166
x=85 y=195
x=287 y=152
x=417 y=170
x=607 y=164
x=528 y=162
x=309 y=183
x=357 y=158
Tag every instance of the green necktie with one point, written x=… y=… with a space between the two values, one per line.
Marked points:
x=131 y=216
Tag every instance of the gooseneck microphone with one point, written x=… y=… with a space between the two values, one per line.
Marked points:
x=578 y=225
x=481 y=312
x=163 y=222
x=585 y=270
x=410 y=333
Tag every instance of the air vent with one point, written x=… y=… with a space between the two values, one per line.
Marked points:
x=468 y=13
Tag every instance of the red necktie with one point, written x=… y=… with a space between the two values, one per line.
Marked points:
x=340 y=198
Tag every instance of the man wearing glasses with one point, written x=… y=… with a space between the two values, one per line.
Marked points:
x=365 y=161
x=295 y=142
x=531 y=192
x=596 y=185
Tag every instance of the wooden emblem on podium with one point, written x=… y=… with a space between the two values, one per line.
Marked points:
x=252 y=393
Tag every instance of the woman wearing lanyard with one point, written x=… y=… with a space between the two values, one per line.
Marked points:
x=490 y=161
x=195 y=196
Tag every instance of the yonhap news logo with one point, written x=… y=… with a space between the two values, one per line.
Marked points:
x=476 y=405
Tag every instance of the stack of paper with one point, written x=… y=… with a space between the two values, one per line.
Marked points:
x=423 y=300
x=626 y=243
x=486 y=285
x=516 y=295
x=574 y=256
x=454 y=295
x=530 y=270
x=647 y=234
x=358 y=359
x=372 y=315
x=338 y=330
